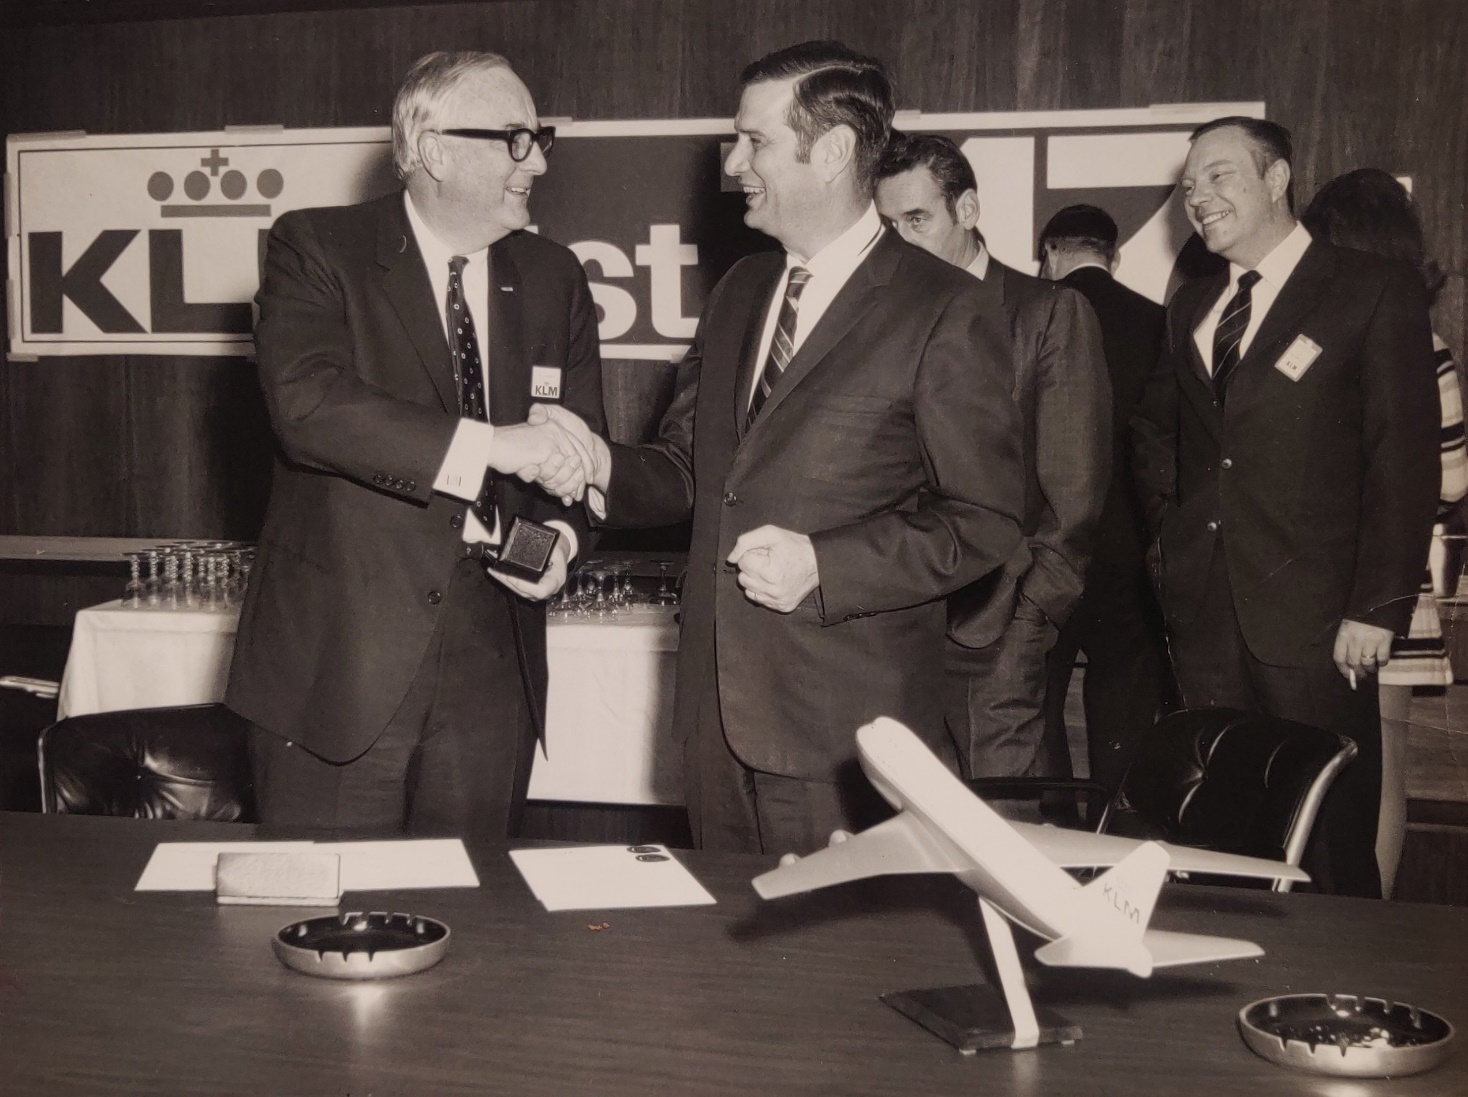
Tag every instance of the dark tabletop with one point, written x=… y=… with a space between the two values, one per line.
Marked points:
x=107 y=991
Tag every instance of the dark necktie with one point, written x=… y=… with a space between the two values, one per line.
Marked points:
x=1230 y=332
x=782 y=346
x=469 y=373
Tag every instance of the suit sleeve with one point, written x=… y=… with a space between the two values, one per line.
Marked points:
x=652 y=484
x=1154 y=430
x=965 y=521
x=326 y=416
x=1072 y=453
x=1400 y=430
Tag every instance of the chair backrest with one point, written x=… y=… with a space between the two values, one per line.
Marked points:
x=1237 y=782
x=190 y=762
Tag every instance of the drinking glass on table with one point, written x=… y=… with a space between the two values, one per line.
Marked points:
x=133 y=593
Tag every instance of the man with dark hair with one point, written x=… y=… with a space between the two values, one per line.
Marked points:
x=1117 y=623
x=1001 y=629
x=855 y=459
x=393 y=682
x=1287 y=456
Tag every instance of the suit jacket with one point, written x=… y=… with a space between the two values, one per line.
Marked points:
x=892 y=440
x=1320 y=491
x=1131 y=334
x=1064 y=401
x=357 y=549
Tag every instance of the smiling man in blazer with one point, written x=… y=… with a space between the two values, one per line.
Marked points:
x=394 y=682
x=1287 y=458
x=844 y=434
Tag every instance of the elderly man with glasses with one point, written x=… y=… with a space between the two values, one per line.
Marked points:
x=392 y=664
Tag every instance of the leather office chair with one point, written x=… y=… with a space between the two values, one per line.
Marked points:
x=190 y=762
x=1221 y=779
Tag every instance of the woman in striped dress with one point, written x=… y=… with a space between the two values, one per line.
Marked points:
x=1371 y=211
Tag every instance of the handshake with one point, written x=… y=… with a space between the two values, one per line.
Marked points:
x=555 y=449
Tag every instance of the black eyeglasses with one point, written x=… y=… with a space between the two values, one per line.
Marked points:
x=518 y=140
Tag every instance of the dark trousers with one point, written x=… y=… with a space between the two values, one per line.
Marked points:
x=455 y=758
x=1215 y=668
x=1119 y=627
x=734 y=808
x=995 y=700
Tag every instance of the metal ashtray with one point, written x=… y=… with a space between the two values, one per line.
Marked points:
x=1344 y=1035
x=355 y=945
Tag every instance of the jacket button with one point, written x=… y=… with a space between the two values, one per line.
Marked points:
x=730 y=499
x=1212 y=527
x=1227 y=462
x=377 y=478
x=410 y=486
x=456 y=522
x=435 y=597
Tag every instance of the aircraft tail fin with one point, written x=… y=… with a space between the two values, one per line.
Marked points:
x=1118 y=906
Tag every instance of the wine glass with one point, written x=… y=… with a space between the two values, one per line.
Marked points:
x=133 y=594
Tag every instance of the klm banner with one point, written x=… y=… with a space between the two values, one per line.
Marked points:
x=151 y=244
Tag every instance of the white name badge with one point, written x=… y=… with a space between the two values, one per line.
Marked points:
x=1298 y=358
x=545 y=382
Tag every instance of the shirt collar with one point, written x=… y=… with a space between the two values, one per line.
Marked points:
x=1088 y=263
x=1276 y=267
x=842 y=255
x=979 y=268
x=436 y=254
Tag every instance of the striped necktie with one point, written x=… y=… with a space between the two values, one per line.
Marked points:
x=469 y=372
x=782 y=346
x=1230 y=332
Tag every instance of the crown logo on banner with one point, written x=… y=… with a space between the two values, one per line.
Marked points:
x=200 y=186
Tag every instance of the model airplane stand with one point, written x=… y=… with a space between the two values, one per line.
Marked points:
x=975 y=1017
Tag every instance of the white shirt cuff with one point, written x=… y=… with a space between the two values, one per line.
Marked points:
x=464 y=465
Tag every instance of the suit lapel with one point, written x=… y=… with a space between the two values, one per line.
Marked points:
x=1213 y=288
x=1300 y=293
x=760 y=288
x=407 y=288
x=509 y=374
x=849 y=306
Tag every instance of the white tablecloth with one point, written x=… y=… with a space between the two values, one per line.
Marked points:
x=607 y=721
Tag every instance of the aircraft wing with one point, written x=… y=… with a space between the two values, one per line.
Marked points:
x=1169 y=949
x=1084 y=849
x=900 y=845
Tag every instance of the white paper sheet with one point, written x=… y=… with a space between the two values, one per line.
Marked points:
x=365 y=866
x=608 y=878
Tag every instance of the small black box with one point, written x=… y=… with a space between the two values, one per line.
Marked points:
x=526 y=550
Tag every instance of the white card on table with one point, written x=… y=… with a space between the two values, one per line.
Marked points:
x=609 y=878
x=1299 y=357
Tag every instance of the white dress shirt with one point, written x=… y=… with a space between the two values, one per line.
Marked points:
x=462 y=472
x=830 y=269
x=1274 y=271
x=979 y=268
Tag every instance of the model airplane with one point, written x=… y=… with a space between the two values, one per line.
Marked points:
x=1017 y=870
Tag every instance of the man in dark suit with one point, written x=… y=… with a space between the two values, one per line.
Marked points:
x=394 y=682
x=1117 y=622
x=1287 y=456
x=1001 y=629
x=856 y=458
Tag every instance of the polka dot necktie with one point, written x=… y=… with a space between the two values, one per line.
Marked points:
x=469 y=372
x=782 y=346
x=1230 y=332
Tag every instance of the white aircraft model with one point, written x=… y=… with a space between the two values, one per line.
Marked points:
x=1017 y=870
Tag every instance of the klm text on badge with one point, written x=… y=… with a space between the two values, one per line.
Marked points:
x=1298 y=358
x=545 y=382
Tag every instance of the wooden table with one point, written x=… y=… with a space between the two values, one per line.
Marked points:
x=104 y=990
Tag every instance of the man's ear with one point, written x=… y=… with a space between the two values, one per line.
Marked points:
x=1277 y=178
x=433 y=154
x=835 y=151
x=966 y=208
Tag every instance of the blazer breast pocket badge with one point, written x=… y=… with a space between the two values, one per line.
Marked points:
x=1299 y=357
x=545 y=382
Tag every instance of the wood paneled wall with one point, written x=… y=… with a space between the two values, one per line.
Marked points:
x=167 y=447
